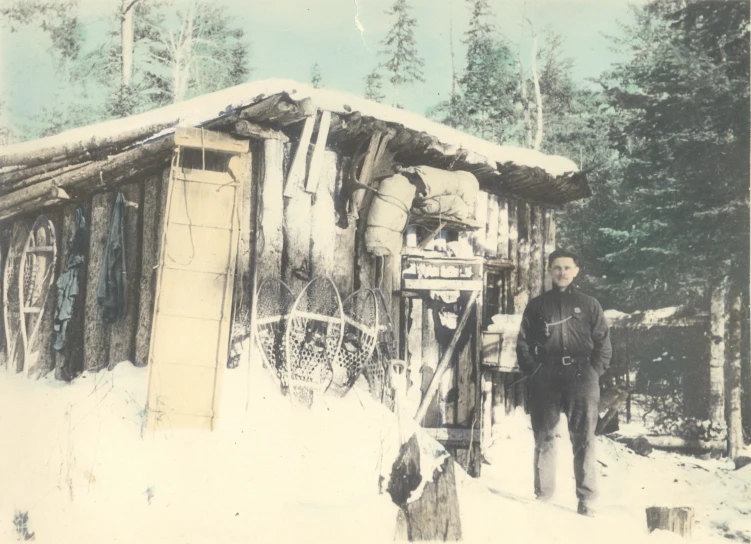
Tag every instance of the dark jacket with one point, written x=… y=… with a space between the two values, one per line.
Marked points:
x=576 y=327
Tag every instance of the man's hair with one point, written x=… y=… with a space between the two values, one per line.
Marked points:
x=558 y=253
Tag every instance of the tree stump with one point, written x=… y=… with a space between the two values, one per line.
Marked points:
x=678 y=520
x=435 y=515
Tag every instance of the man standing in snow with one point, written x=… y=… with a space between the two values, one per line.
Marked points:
x=564 y=348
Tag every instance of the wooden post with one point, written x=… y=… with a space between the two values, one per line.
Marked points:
x=296 y=173
x=481 y=216
x=344 y=263
x=270 y=233
x=446 y=358
x=242 y=169
x=733 y=374
x=96 y=332
x=123 y=331
x=522 y=278
x=536 y=268
x=492 y=234
x=487 y=408
x=503 y=228
x=150 y=237
x=717 y=355
x=323 y=250
x=513 y=246
x=548 y=234
x=499 y=397
x=465 y=384
x=430 y=358
x=69 y=361
x=678 y=520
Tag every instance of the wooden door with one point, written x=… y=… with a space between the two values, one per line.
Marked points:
x=192 y=311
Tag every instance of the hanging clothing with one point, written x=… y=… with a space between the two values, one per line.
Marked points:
x=68 y=282
x=111 y=292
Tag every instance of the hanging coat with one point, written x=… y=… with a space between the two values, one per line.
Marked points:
x=111 y=291
x=68 y=282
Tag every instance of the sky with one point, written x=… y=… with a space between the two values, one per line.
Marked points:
x=343 y=36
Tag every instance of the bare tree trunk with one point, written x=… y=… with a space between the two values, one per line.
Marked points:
x=538 y=95
x=717 y=355
x=525 y=103
x=733 y=374
x=451 y=47
x=126 y=37
x=182 y=50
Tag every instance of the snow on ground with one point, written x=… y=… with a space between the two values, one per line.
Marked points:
x=629 y=483
x=76 y=458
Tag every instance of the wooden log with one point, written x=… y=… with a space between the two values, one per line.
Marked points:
x=69 y=361
x=435 y=516
x=46 y=150
x=30 y=176
x=103 y=173
x=9 y=178
x=718 y=316
x=499 y=398
x=296 y=173
x=536 y=268
x=122 y=343
x=733 y=373
x=503 y=228
x=316 y=161
x=430 y=358
x=486 y=386
x=248 y=129
x=446 y=357
x=361 y=197
x=513 y=246
x=521 y=297
x=296 y=270
x=678 y=520
x=344 y=264
x=96 y=332
x=465 y=382
x=270 y=238
x=492 y=234
x=481 y=216
x=548 y=236
x=150 y=236
x=242 y=168
x=510 y=393
x=323 y=250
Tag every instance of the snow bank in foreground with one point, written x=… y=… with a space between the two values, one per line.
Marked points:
x=75 y=459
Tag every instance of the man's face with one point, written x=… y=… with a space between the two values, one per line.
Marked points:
x=562 y=271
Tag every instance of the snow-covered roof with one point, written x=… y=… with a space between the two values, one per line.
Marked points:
x=202 y=109
x=514 y=170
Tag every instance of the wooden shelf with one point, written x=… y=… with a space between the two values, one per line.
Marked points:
x=441 y=284
x=432 y=221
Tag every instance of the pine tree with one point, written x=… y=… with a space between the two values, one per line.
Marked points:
x=315 y=76
x=484 y=102
x=678 y=220
x=374 y=86
x=402 y=63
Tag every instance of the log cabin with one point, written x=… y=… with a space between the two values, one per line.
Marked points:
x=274 y=179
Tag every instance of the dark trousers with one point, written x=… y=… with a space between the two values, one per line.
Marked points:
x=575 y=390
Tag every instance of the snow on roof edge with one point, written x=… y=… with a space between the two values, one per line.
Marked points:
x=202 y=109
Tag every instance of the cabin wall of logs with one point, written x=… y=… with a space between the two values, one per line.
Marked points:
x=296 y=236
x=90 y=343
